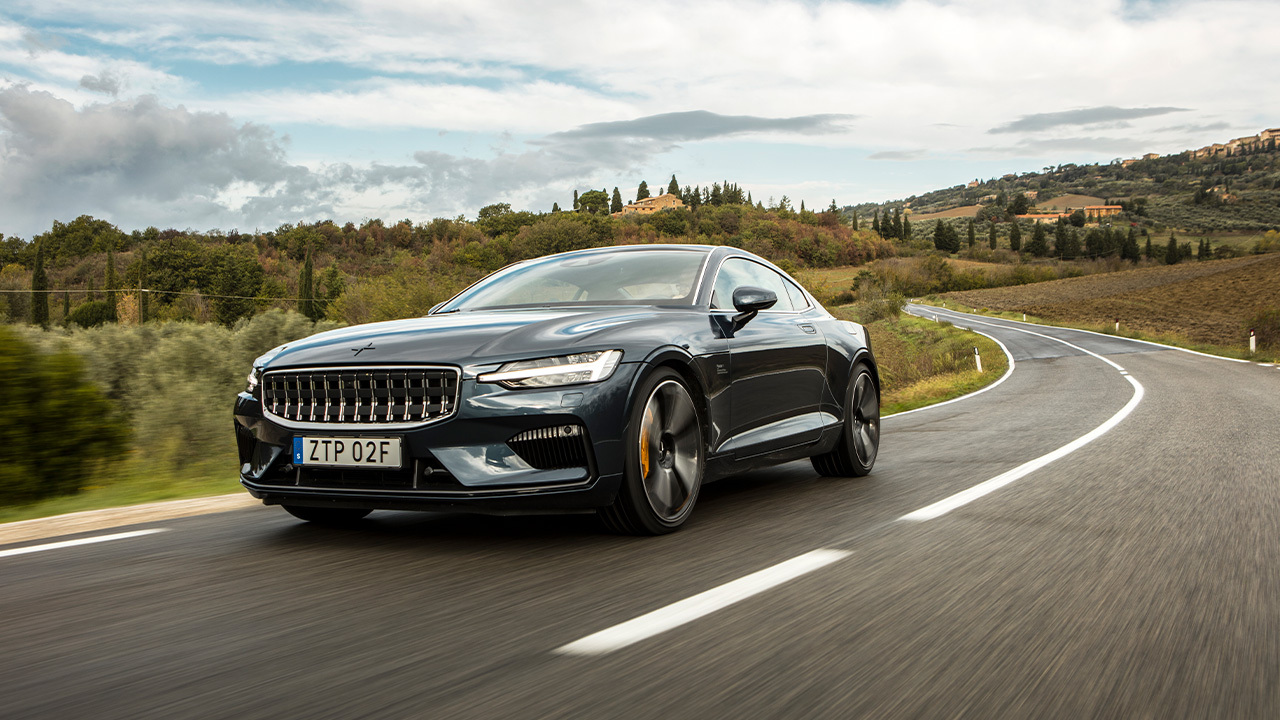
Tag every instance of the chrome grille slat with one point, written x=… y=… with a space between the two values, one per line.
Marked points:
x=361 y=397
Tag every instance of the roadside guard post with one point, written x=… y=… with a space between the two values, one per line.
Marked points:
x=1253 y=342
x=977 y=358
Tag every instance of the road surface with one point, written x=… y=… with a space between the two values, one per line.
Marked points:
x=1118 y=560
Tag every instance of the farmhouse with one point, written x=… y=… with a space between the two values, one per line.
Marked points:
x=666 y=201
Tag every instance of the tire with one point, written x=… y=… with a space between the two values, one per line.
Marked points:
x=855 y=454
x=664 y=459
x=326 y=516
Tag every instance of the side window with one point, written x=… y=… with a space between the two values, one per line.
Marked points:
x=736 y=272
x=798 y=300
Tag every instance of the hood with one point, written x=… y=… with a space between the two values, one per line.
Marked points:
x=474 y=337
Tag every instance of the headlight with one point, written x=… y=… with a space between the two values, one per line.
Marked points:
x=564 y=370
x=251 y=382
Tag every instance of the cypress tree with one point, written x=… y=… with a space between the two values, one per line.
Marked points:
x=973 y=234
x=555 y=207
x=615 y=205
x=1171 y=252
x=1147 y=252
x=1039 y=245
x=66 y=306
x=940 y=241
x=855 y=220
x=39 y=284
x=642 y=192
x=1015 y=237
x=897 y=223
x=991 y=235
x=575 y=201
x=673 y=187
x=875 y=223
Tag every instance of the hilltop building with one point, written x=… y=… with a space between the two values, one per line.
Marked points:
x=656 y=203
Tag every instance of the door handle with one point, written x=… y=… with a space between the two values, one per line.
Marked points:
x=808 y=328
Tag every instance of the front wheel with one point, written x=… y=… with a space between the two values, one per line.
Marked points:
x=664 y=459
x=859 y=442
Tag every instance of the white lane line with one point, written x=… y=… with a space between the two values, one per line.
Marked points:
x=992 y=386
x=80 y=541
x=965 y=497
x=704 y=603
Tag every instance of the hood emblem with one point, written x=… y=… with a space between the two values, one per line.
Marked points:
x=357 y=351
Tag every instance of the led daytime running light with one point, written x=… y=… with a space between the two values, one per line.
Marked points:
x=563 y=370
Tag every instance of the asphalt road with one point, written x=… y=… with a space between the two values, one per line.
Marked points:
x=1134 y=577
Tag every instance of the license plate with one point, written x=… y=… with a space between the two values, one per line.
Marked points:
x=366 y=452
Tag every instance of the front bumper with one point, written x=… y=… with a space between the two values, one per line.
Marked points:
x=467 y=461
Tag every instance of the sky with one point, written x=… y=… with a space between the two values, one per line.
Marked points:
x=231 y=115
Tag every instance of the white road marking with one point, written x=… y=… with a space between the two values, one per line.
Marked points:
x=80 y=541
x=704 y=603
x=965 y=497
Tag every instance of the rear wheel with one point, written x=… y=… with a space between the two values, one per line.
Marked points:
x=326 y=516
x=855 y=454
x=664 y=459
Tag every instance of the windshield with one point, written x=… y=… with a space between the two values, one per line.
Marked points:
x=631 y=277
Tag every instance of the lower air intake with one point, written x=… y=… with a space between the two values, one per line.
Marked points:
x=562 y=446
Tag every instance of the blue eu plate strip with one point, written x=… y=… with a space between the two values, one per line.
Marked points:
x=297 y=451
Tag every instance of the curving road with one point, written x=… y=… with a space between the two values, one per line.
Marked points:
x=1121 y=558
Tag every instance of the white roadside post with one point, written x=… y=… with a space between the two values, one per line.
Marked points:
x=977 y=358
x=1253 y=342
x=1117 y=324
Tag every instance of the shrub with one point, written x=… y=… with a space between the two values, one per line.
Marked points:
x=1266 y=327
x=90 y=314
x=55 y=425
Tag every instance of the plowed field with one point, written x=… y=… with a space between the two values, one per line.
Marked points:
x=1206 y=302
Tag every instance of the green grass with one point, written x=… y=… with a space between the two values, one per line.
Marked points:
x=923 y=362
x=131 y=483
x=1229 y=351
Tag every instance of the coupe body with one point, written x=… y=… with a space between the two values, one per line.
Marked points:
x=613 y=380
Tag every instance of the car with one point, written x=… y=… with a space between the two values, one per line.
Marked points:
x=612 y=380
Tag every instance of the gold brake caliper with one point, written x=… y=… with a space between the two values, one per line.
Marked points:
x=645 y=424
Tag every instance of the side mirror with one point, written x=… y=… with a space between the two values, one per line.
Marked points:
x=748 y=301
x=436 y=307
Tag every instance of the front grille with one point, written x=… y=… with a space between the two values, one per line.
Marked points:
x=563 y=446
x=361 y=396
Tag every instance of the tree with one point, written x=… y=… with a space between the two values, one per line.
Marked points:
x=306 y=289
x=39 y=288
x=906 y=228
x=1129 y=250
x=991 y=235
x=1171 y=253
x=1071 y=247
x=1146 y=253
x=593 y=202
x=1039 y=245
x=642 y=192
x=1077 y=218
x=973 y=234
x=673 y=187
x=854 y=222
x=615 y=205
x=1060 y=239
x=897 y=223
x=1015 y=236
x=576 y=207
x=555 y=207
x=1019 y=206
x=945 y=237
x=111 y=284
x=875 y=223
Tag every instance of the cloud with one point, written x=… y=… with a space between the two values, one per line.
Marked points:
x=106 y=83
x=138 y=160
x=1086 y=116
x=1067 y=147
x=703 y=125
x=897 y=155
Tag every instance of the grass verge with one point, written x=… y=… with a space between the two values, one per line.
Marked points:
x=923 y=362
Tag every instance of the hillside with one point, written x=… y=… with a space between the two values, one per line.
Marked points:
x=1221 y=188
x=1205 y=302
